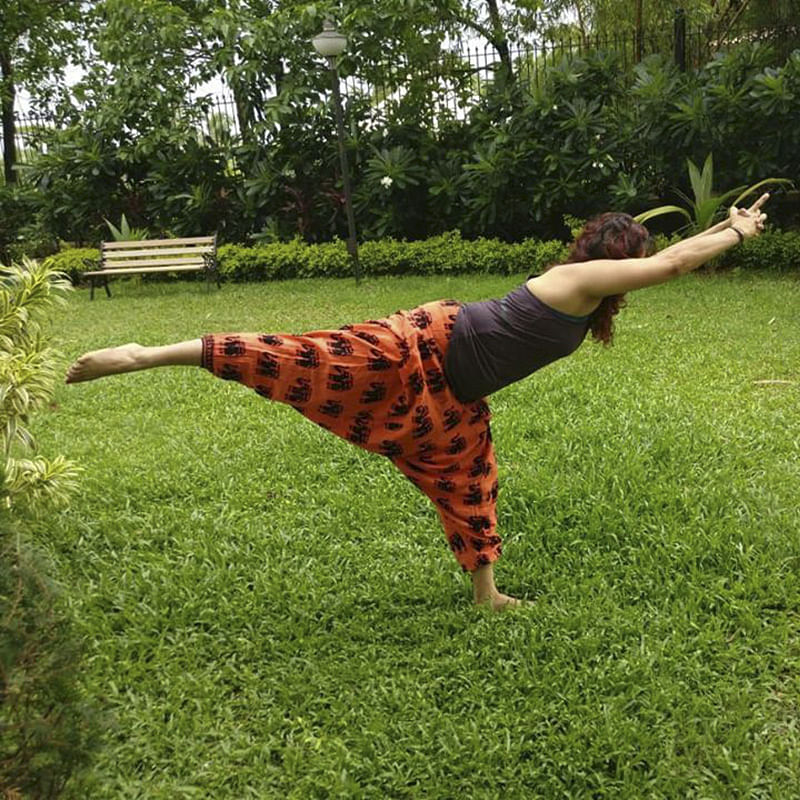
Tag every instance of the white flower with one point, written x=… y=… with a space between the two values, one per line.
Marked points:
x=386 y=181
x=555 y=108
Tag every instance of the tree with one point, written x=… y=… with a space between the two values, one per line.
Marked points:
x=37 y=39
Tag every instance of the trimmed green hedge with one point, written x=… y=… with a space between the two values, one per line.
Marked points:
x=435 y=256
x=71 y=261
x=776 y=251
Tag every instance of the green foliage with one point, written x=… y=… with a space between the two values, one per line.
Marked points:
x=775 y=251
x=28 y=373
x=48 y=728
x=45 y=730
x=445 y=254
x=590 y=136
x=72 y=261
x=22 y=232
x=125 y=233
x=702 y=209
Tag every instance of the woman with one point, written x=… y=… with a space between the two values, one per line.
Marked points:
x=412 y=386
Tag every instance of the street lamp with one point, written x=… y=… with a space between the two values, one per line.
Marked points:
x=330 y=44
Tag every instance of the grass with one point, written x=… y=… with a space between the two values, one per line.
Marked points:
x=272 y=613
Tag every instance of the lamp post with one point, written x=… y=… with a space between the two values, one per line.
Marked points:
x=330 y=44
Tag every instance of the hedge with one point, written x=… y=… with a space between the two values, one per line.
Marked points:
x=775 y=251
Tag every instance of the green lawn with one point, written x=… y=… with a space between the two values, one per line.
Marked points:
x=271 y=613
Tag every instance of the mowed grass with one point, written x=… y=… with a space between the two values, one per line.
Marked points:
x=269 y=612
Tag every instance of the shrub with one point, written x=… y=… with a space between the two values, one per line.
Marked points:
x=47 y=726
x=438 y=255
x=46 y=729
x=71 y=261
x=775 y=251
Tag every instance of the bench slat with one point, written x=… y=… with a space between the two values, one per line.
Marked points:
x=139 y=270
x=152 y=262
x=167 y=251
x=157 y=243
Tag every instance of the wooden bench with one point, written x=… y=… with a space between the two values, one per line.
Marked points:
x=154 y=255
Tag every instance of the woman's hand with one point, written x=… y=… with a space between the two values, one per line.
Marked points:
x=750 y=221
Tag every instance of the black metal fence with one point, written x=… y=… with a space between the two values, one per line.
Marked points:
x=451 y=85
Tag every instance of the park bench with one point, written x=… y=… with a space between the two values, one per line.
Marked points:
x=154 y=255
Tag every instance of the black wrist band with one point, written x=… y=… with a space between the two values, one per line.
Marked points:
x=738 y=233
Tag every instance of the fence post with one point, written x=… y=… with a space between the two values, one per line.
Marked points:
x=680 y=39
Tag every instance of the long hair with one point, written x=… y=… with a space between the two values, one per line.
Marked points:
x=611 y=235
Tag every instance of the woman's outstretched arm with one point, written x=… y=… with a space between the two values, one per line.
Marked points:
x=602 y=278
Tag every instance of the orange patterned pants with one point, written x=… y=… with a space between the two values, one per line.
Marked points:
x=381 y=386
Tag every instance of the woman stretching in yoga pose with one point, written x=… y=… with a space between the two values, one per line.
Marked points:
x=411 y=386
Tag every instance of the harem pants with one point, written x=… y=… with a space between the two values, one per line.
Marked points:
x=381 y=386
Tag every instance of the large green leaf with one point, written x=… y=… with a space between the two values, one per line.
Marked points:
x=758 y=185
x=657 y=212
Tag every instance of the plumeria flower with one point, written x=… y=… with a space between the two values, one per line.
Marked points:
x=386 y=181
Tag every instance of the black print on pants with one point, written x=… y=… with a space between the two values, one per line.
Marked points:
x=451 y=418
x=339 y=346
x=474 y=496
x=300 y=393
x=457 y=444
x=422 y=422
x=273 y=341
x=457 y=543
x=233 y=346
x=479 y=523
x=307 y=357
x=375 y=393
x=360 y=428
x=378 y=362
x=368 y=337
x=331 y=408
x=421 y=318
x=390 y=449
x=400 y=407
x=435 y=379
x=230 y=373
x=340 y=379
x=268 y=366
x=479 y=467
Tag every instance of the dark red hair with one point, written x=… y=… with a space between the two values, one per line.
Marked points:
x=611 y=235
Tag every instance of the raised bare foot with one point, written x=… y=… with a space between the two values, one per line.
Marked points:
x=110 y=361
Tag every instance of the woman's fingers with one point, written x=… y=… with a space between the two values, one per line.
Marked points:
x=758 y=203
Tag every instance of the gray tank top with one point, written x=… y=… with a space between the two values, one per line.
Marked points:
x=497 y=342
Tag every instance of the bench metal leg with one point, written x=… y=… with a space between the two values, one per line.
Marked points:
x=92 y=286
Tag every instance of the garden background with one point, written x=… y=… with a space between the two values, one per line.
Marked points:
x=176 y=658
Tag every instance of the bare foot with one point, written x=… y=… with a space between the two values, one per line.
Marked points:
x=503 y=602
x=110 y=361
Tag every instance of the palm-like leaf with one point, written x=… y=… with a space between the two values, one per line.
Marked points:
x=657 y=212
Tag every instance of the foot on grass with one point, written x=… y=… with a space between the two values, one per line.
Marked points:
x=110 y=361
x=503 y=602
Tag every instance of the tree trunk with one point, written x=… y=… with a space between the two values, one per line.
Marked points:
x=8 y=92
x=500 y=41
x=639 y=31
x=244 y=110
